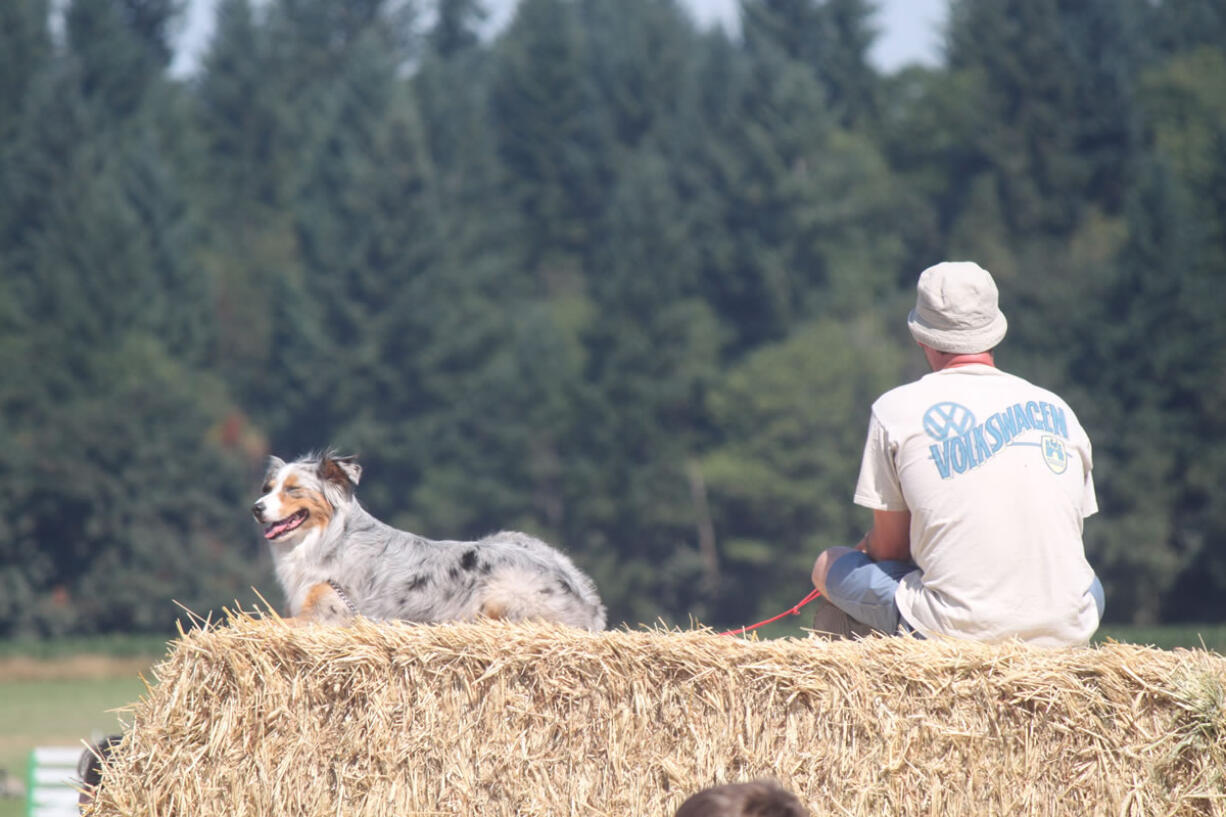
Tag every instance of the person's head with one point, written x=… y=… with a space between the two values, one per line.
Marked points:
x=957 y=310
x=761 y=798
x=89 y=767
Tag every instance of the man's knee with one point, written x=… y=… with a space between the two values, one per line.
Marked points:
x=822 y=566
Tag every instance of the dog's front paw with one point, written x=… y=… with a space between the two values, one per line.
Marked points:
x=324 y=604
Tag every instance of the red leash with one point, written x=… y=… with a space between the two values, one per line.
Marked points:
x=794 y=611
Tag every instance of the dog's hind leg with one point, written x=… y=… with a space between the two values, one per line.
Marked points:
x=493 y=610
x=323 y=604
x=514 y=594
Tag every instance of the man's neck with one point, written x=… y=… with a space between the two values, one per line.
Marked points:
x=954 y=361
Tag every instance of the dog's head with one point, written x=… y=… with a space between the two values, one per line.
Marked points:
x=303 y=496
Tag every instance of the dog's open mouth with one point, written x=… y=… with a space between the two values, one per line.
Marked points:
x=283 y=526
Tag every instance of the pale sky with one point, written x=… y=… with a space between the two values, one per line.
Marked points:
x=910 y=30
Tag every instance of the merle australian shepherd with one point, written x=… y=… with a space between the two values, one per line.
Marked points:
x=335 y=560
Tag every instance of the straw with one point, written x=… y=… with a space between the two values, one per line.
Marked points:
x=253 y=717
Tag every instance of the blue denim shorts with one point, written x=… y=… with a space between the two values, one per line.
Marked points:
x=865 y=589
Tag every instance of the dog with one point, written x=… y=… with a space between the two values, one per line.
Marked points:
x=335 y=560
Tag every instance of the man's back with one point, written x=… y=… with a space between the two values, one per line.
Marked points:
x=996 y=474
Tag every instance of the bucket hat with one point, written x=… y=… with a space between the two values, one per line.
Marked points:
x=956 y=309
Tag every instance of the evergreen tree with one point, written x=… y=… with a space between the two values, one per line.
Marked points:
x=314 y=36
x=496 y=354
x=793 y=416
x=25 y=46
x=791 y=215
x=116 y=59
x=1110 y=49
x=640 y=57
x=1185 y=25
x=82 y=168
x=122 y=499
x=240 y=188
x=247 y=162
x=307 y=45
x=1187 y=103
x=1124 y=349
x=551 y=136
x=452 y=90
x=367 y=228
x=242 y=124
x=604 y=278
x=456 y=27
x=153 y=22
x=832 y=38
x=651 y=353
x=1056 y=122
x=761 y=134
x=97 y=255
x=1021 y=132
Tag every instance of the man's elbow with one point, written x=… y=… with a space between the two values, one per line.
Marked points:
x=881 y=549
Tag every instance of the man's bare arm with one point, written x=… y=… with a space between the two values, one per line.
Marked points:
x=890 y=537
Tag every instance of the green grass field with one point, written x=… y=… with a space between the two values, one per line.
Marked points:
x=102 y=675
x=1191 y=636
x=60 y=692
x=51 y=712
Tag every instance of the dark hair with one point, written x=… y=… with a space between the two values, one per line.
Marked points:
x=89 y=767
x=761 y=798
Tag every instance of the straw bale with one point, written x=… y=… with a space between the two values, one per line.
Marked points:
x=258 y=718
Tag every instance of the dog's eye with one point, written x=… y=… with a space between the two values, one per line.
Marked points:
x=266 y=487
x=293 y=491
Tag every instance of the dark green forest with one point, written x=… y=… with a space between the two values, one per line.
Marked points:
x=606 y=276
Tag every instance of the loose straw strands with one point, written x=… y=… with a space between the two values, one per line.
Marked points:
x=257 y=718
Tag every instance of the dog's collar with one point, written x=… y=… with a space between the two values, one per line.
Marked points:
x=353 y=610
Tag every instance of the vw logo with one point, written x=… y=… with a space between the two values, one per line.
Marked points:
x=945 y=420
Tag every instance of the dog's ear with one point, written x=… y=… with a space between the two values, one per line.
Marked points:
x=342 y=471
x=275 y=464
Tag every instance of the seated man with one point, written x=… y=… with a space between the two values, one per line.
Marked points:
x=978 y=482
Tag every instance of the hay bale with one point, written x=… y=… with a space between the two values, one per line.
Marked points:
x=501 y=719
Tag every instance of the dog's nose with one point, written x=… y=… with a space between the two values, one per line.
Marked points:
x=258 y=509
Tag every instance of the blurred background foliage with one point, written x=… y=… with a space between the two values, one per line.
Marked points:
x=606 y=276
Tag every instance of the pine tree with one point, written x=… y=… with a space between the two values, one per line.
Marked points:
x=25 y=48
x=640 y=58
x=97 y=254
x=830 y=37
x=120 y=48
x=1184 y=209
x=1186 y=25
x=82 y=172
x=369 y=227
x=651 y=352
x=1057 y=123
x=552 y=139
x=456 y=27
x=782 y=199
x=495 y=353
x=452 y=90
x=792 y=416
x=1140 y=545
x=247 y=166
x=762 y=128
x=243 y=126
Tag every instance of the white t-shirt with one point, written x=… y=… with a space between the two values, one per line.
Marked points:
x=997 y=475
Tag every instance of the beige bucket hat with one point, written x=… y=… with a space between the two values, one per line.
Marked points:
x=956 y=309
